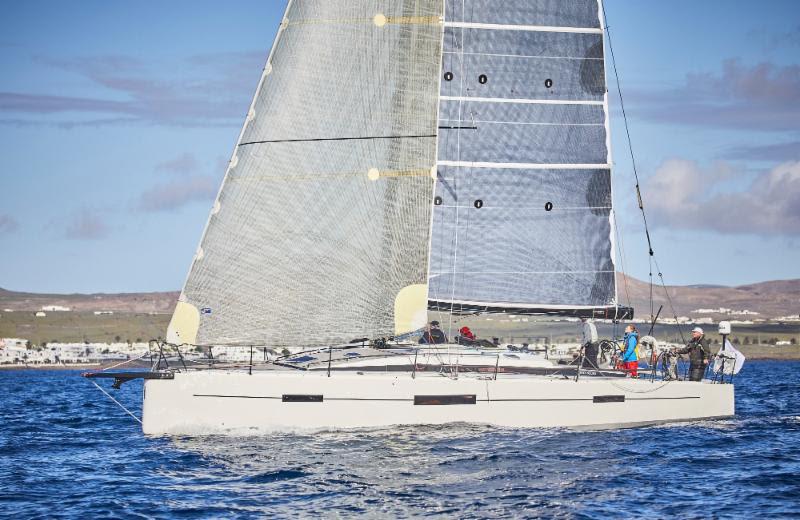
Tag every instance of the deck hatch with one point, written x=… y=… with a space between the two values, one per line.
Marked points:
x=609 y=399
x=445 y=399
x=302 y=398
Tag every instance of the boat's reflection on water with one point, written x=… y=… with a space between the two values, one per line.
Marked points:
x=447 y=469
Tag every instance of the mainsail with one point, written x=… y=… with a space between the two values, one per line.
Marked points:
x=522 y=218
x=320 y=231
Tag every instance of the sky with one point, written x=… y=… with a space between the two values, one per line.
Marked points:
x=117 y=120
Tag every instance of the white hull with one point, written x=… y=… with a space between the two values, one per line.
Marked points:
x=218 y=401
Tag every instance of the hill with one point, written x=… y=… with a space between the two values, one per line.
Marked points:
x=769 y=299
x=151 y=302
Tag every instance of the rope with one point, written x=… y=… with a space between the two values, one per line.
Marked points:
x=622 y=261
x=126 y=362
x=650 y=251
x=117 y=402
x=669 y=300
x=659 y=387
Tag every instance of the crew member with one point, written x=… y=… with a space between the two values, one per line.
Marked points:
x=630 y=360
x=433 y=334
x=699 y=354
x=589 y=343
x=466 y=336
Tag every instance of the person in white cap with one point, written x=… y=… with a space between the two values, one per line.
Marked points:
x=699 y=354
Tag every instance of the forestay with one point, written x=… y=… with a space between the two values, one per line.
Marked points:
x=522 y=216
x=320 y=231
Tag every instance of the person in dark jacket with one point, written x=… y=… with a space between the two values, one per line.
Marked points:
x=433 y=334
x=699 y=353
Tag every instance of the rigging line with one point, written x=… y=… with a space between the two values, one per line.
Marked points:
x=622 y=260
x=633 y=159
x=126 y=362
x=669 y=300
x=432 y=136
x=118 y=403
x=627 y=133
x=651 y=288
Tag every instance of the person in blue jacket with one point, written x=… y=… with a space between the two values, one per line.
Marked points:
x=630 y=358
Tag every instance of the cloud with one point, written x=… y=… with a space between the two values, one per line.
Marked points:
x=170 y=196
x=201 y=90
x=184 y=163
x=38 y=104
x=85 y=225
x=684 y=195
x=771 y=40
x=763 y=97
x=779 y=152
x=8 y=224
x=186 y=185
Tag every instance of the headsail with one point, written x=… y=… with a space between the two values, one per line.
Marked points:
x=320 y=231
x=522 y=218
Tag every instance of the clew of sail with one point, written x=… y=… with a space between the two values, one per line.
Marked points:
x=320 y=231
x=522 y=217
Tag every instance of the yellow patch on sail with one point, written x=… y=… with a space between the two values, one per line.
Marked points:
x=184 y=324
x=411 y=308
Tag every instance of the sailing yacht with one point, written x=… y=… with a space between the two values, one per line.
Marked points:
x=402 y=156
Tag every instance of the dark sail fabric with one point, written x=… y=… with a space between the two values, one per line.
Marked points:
x=522 y=214
x=324 y=214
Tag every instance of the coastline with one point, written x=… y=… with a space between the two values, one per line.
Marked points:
x=52 y=366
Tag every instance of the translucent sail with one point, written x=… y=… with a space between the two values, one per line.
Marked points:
x=522 y=214
x=320 y=233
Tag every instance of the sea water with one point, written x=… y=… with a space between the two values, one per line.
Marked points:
x=67 y=451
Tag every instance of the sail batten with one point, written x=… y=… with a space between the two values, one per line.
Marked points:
x=517 y=27
x=532 y=166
